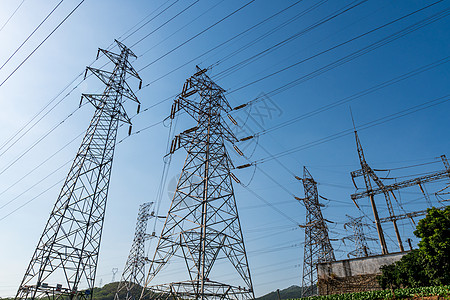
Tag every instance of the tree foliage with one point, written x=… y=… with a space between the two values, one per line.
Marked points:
x=430 y=264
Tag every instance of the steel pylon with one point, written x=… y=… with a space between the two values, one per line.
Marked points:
x=358 y=237
x=318 y=247
x=66 y=256
x=202 y=225
x=133 y=275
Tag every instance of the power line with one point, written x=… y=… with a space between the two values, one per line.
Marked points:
x=161 y=12
x=163 y=24
x=12 y=15
x=358 y=94
x=40 y=44
x=367 y=125
x=225 y=42
x=198 y=34
x=336 y=46
x=31 y=34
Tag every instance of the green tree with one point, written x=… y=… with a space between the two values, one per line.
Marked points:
x=428 y=265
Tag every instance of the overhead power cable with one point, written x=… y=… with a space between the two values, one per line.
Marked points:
x=41 y=164
x=31 y=34
x=291 y=38
x=165 y=23
x=12 y=15
x=337 y=46
x=37 y=142
x=357 y=95
x=160 y=41
x=392 y=37
x=225 y=42
x=122 y=38
x=41 y=43
x=197 y=35
x=273 y=30
x=157 y=15
x=367 y=125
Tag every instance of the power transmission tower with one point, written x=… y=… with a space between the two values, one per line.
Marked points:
x=202 y=225
x=358 y=237
x=388 y=190
x=67 y=253
x=318 y=247
x=114 y=272
x=133 y=275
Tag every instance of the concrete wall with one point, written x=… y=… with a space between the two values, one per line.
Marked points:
x=353 y=275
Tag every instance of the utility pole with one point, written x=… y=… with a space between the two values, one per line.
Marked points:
x=67 y=253
x=133 y=275
x=358 y=237
x=202 y=225
x=318 y=247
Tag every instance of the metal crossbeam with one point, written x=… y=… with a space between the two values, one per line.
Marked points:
x=403 y=184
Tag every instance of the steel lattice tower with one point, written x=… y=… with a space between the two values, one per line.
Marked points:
x=133 y=275
x=358 y=237
x=318 y=247
x=202 y=225
x=67 y=253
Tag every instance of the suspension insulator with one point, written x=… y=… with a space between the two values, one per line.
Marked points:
x=140 y=84
x=243 y=166
x=138 y=108
x=238 y=150
x=240 y=106
x=232 y=120
x=235 y=178
x=247 y=138
x=129 y=129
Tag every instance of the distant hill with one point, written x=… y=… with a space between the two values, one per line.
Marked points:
x=291 y=292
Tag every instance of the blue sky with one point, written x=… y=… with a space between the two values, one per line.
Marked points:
x=273 y=239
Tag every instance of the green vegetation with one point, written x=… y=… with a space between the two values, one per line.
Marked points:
x=443 y=291
x=430 y=264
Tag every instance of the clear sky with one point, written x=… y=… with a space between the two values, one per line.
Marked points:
x=398 y=69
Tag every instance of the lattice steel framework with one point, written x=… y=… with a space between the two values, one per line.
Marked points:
x=318 y=247
x=358 y=237
x=67 y=253
x=133 y=275
x=202 y=225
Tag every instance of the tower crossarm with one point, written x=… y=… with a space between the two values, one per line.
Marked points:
x=408 y=215
x=402 y=184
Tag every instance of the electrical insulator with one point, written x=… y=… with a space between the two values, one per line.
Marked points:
x=232 y=120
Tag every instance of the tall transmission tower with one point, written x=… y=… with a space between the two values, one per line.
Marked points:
x=318 y=247
x=114 y=272
x=133 y=275
x=67 y=253
x=202 y=225
x=358 y=237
